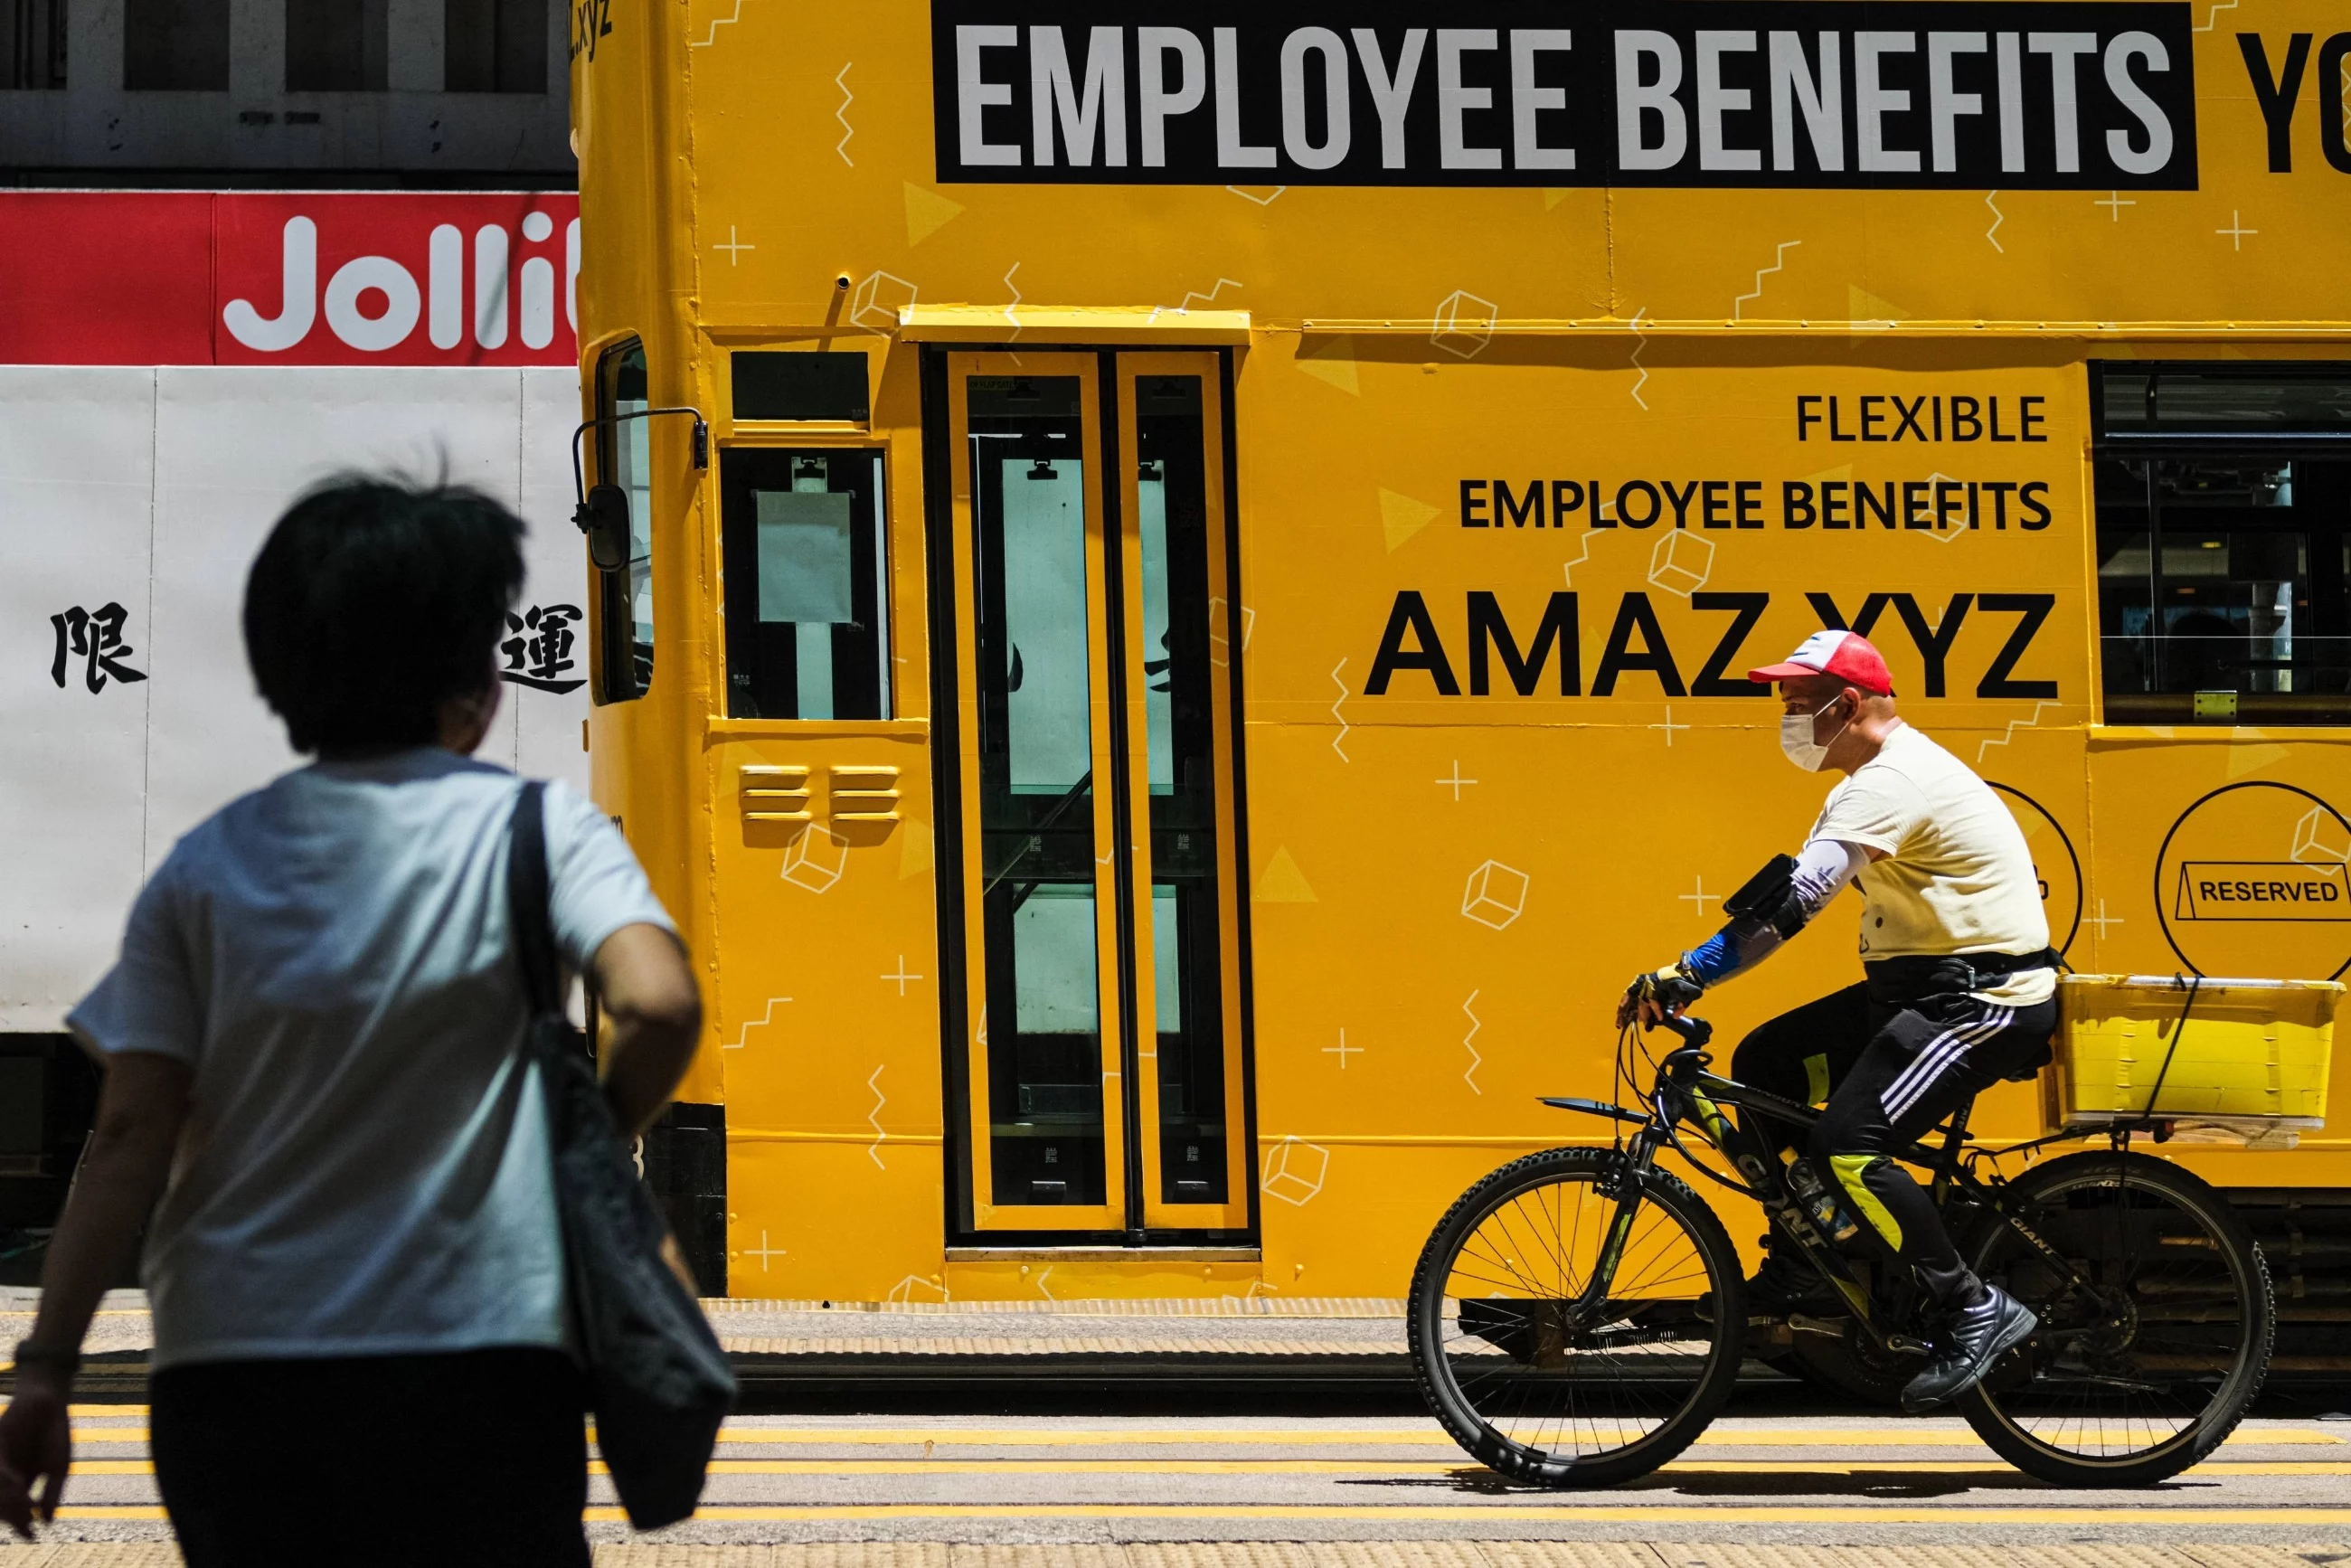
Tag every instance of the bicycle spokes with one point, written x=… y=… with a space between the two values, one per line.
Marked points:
x=2155 y=1317
x=1574 y=1322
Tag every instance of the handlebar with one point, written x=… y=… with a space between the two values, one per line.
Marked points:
x=1695 y=1032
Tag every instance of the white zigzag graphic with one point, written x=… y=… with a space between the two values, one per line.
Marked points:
x=1583 y=554
x=1192 y=294
x=2215 y=17
x=874 y=1117
x=1344 y=727
x=1638 y=349
x=1778 y=260
x=721 y=21
x=761 y=1022
x=1584 y=546
x=1998 y=218
x=841 y=114
x=1008 y=316
x=1476 y=1060
x=2013 y=726
x=1041 y=1284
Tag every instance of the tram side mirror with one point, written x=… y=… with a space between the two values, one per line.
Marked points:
x=603 y=516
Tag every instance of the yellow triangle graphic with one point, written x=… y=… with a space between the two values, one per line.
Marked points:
x=914 y=849
x=927 y=213
x=1863 y=308
x=1332 y=360
x=2244 y=757
x=1283 y=883
x=1400 y=516
x=1554 y=196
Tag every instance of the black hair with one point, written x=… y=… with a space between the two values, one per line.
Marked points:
x=375 y=599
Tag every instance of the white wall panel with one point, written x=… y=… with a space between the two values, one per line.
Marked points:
x=154 y=489
x=547 y=724
x=75 y=494
x=234 y=446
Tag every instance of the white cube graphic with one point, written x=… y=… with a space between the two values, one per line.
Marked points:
x=1496 y=894
x=2319 y=838
x=878 y=301
x=1464 y=324
x=1295 y=1169
x=1681 y=564
x=815 y=859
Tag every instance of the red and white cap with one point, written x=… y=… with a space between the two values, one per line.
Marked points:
x=1844 y=655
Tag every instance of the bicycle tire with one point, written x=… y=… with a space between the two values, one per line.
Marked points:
x=1457 y=1410
x=2099 y=1198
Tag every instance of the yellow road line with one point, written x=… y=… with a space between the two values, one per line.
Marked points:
x=987 y=1438
x=1417 y=1468
x=1561 y=1512
x=968 y=1437
x=1347 y=1468
x=1891 y=1513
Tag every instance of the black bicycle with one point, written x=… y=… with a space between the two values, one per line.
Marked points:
x=1577 y=1318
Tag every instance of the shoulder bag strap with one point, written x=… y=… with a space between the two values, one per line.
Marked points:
x=527 y=898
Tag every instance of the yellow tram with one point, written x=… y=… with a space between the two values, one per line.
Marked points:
x=1204 y=644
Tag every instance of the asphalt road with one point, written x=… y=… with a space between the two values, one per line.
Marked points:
x=1895 y=1490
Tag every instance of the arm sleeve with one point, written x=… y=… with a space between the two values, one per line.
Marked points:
x=1822 y=869
x=596 y=885
x=151 y=1001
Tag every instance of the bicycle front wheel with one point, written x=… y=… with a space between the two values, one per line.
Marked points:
x=1543 y=1379
x=2153 y=1342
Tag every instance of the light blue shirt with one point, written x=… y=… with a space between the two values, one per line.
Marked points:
x=365 y=1167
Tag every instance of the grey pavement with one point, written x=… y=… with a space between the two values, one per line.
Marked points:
x=1925 y=1486
x=1225 y=1491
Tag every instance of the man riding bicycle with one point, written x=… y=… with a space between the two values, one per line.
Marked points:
x=1960 y=991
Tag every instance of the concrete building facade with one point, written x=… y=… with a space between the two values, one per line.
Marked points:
x=223 y=92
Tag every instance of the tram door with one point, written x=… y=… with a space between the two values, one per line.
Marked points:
x=1095 y=714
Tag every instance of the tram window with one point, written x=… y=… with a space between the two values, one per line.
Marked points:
x=1181 y=691
x=807 y=600
x=624 y=457
x=800 y=386
x=2221 y=573
x=2223 y=400
x=1033 y=611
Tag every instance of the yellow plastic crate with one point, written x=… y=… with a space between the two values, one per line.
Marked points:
x=2252 y=1057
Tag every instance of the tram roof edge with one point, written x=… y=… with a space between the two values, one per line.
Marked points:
x=1070 y=324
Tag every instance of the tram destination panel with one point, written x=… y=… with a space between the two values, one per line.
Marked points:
x=1819 y=94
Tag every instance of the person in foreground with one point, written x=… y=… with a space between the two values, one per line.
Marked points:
x=311 y=1048
x=1961 y=991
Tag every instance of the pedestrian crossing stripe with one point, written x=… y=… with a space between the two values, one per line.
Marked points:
x=1562 y=1511
x=990 y=1438
x=1995 y=1472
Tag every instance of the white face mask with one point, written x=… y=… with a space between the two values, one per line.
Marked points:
x=1796 y=737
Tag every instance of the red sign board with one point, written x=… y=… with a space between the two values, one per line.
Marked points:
x=167 y=278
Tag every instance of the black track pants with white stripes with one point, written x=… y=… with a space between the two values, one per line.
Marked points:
x=1888 y=1075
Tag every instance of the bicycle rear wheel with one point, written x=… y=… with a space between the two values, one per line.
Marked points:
x=1541 y=1386
x=2143 y=1366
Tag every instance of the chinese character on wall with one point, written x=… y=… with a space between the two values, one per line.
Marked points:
x=539 y=652
x=96 y=638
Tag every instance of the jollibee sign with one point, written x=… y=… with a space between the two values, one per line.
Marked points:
x=293 y=278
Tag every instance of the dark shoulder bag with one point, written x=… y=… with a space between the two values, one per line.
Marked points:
x=657 y=1380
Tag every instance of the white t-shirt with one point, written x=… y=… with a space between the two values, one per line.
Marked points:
x=1956 y=876
x=364 y=1168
